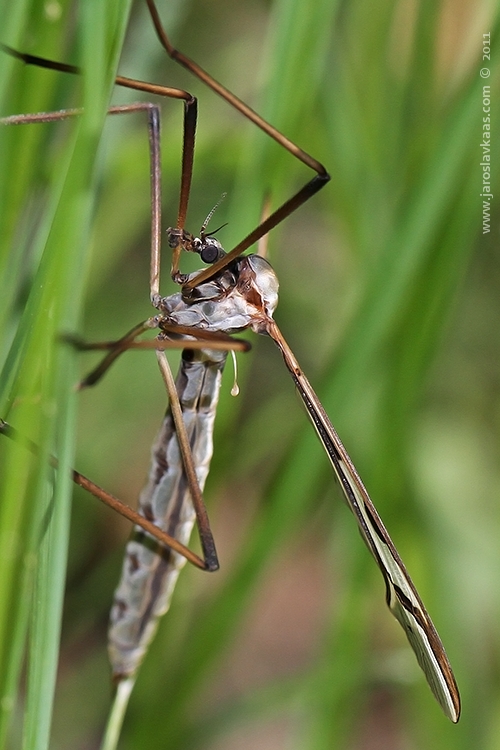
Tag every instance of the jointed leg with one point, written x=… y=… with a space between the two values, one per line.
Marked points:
x=113 y=502
x=312 y=187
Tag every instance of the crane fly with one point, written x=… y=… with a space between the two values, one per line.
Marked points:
x=232 y=293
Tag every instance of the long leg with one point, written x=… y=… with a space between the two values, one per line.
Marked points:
x=204 y=531
x=189 y=132
x=306 y=192
x=219 y=341
x=128 y=341
x=111 y=501
x=190 y=116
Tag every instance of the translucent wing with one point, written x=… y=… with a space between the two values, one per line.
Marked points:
x=402 y=597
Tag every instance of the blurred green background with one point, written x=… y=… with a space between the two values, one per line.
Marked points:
x=389 y=299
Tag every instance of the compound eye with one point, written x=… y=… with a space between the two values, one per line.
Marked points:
x=210 y=252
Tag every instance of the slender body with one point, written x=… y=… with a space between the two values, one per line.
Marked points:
x=150 y=571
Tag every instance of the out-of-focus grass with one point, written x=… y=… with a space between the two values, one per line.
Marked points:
x=42 y=269
x=389 y=297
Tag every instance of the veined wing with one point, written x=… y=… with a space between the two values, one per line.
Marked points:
x=402 y=597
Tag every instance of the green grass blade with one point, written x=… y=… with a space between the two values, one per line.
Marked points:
x=37 y=381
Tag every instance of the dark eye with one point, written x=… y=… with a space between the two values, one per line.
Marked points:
x=209 y=253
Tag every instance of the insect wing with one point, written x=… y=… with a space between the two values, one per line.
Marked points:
x=402 y=598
